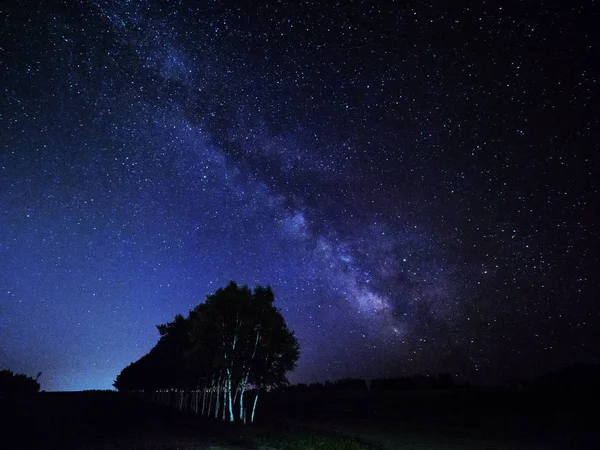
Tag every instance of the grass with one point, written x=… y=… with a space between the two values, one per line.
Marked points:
x=325 y=434
x=110 y=421
x=301 y=438
x=313 y=442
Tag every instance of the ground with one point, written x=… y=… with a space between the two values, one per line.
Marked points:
x=352 y=421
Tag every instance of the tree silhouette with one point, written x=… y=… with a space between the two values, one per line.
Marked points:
x=164 y=366
x=16 y=383
x=234 y=342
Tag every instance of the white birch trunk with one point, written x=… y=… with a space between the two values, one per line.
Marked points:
x=242 y=412
x=211 y=396
x=224 y=401
x=254 y=407
x=231 y=417
x=237 y=391
x=210 y=402
x=218 y=400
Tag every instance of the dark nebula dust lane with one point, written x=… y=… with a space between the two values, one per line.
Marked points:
x=418 y=183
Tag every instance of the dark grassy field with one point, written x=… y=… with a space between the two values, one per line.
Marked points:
x=450 y=419
x=109 y=420
x=458 y=419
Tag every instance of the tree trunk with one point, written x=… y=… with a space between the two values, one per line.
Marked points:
x=218 y=400
x=242 y=412
x=243 y=385
x=210 y=402
x=254 y=407
x=231 y=417
x=224 y=400
x=211 y=395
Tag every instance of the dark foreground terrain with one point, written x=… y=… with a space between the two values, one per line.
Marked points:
x=455 y=419
x=458 y=418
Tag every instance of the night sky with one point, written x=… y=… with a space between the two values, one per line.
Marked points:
x=418 y=183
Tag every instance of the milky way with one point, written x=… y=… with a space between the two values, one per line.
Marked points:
x=417 y=183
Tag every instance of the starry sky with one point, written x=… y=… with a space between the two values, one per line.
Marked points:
x=418 y=182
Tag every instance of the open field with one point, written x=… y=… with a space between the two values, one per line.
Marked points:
x=448 y=419
x=490 y=412
x=335 y=420
x=109 y=420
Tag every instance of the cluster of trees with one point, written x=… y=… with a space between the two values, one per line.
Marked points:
x=16 y=383
x=577 y=377
x=236 y=341
x=441 y=381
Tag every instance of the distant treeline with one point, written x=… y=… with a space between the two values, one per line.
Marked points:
x=441 y=381
x=16 y=383
x=577 y=377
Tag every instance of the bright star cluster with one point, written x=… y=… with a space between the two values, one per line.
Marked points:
x=418 y=183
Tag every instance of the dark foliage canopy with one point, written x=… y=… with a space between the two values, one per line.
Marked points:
x=235 y=332
x=16 y=383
